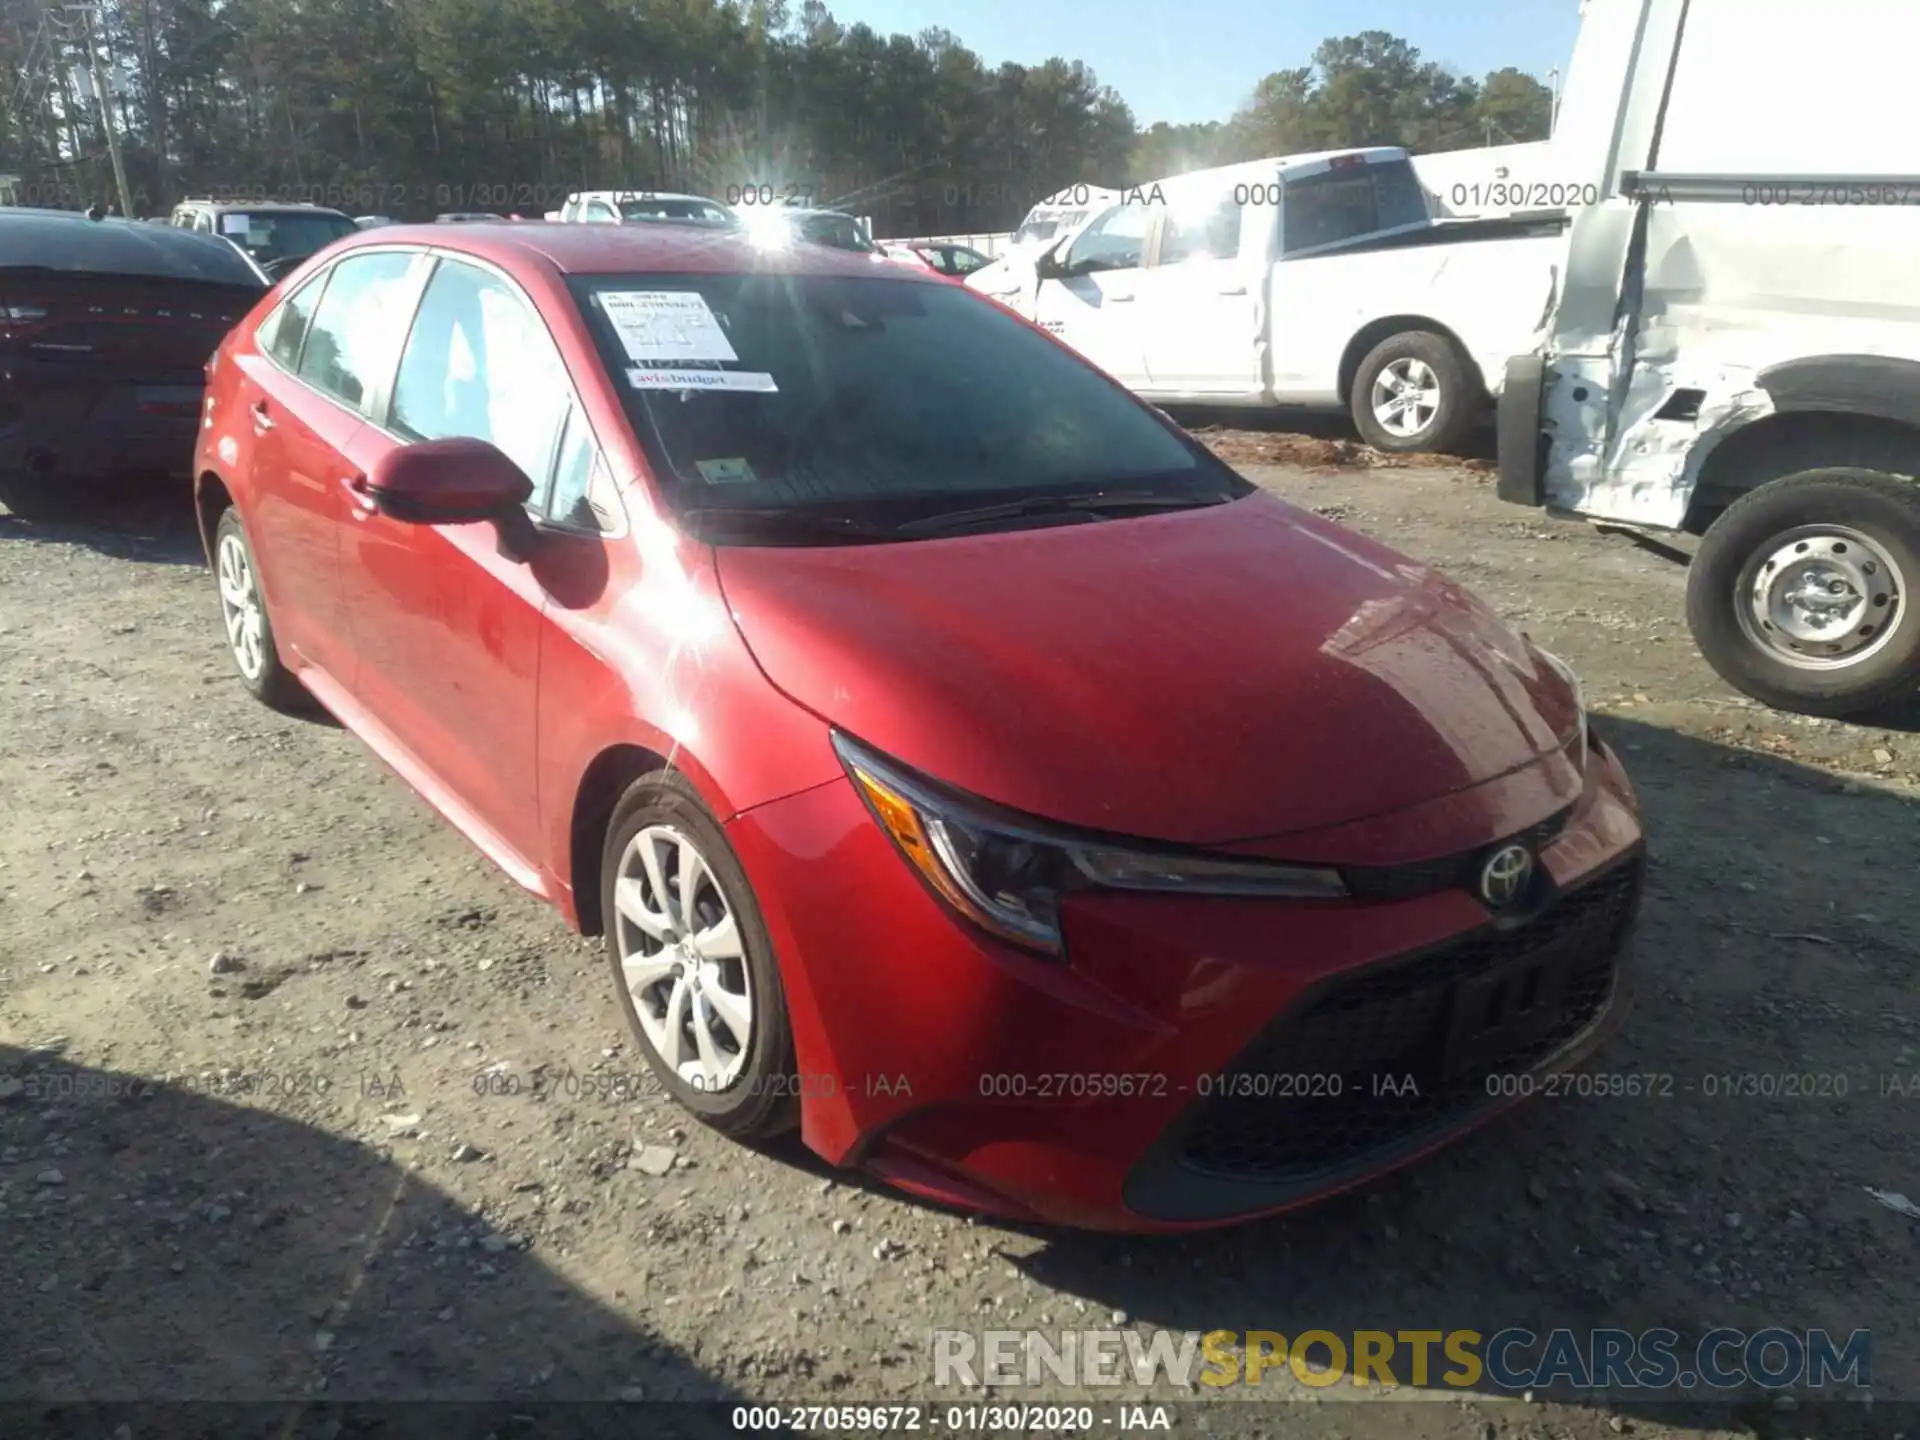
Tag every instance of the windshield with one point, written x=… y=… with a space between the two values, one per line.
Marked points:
x=1338 y=205
x=1050 y=226
x=868 y=397
x=700 y=212
x=269 y=236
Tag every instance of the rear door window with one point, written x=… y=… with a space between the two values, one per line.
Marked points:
x=356 y=330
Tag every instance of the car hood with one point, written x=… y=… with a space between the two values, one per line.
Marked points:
x=1209 y=676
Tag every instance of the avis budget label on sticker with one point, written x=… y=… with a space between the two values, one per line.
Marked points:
x=642 y=378
x=665 y=326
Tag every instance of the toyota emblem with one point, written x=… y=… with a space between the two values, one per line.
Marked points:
x=1503 y=879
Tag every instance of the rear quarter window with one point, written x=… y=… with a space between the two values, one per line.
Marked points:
x=1339 y=205
x=286 y=328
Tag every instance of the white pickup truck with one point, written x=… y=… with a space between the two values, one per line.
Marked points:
x=1317 y=281
x=1735 y=353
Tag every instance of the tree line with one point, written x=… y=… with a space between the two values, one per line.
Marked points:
x=413 y=107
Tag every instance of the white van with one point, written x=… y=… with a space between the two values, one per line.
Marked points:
x=1736 y=350
x=1310 y=280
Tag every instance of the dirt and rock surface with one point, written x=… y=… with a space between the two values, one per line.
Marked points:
x=301 y=1100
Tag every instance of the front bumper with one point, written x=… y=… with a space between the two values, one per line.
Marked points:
x=1109 y=1092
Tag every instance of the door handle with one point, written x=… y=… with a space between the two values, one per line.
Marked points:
x=262 y=421
x=1234 y=290
x=1120 y=297
x=357 y=487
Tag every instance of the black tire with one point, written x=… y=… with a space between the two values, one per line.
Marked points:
x=275 y=686
x=1883 y=509
x=1453 y=417
x=763 y=1100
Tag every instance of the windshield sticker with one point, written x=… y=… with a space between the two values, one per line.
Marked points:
x=643 y=378
x=234 y=224
x=666 y=325
x=731 y=471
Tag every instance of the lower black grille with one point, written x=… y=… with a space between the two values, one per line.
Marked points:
x=1373 y=1062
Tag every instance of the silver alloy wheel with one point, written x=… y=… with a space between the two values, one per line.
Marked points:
x=1406 y=397
x=240 y=607
x=682 y=958
x=1822 y=597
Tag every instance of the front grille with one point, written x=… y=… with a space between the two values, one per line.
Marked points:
x=1361 y=1066
x=1460 y=871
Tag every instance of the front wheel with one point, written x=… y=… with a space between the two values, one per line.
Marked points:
x=1799 y=593
x=1412 y=393
x=692 y=963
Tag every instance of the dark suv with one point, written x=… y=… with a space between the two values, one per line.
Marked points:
x=278 y=236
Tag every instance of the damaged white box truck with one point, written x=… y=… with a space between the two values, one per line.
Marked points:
x=1735 y=350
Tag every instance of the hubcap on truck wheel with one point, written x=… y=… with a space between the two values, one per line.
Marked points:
x=1406 y=397
x=682 y=959
x=240 y=607
x=1821 y=597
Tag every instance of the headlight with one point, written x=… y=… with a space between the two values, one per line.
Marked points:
x=1007 y=874
x=1566 y=673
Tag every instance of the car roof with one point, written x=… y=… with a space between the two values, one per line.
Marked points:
x=67 y=240
x=665 y=249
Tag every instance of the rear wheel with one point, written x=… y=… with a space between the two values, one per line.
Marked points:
x=692 y=963
x=1799 y=594
x=1413 y=393
x=243 y=615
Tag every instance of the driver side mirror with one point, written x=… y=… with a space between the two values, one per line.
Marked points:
x=459 y=481
x=1047 y=264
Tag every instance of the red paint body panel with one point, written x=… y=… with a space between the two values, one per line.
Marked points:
x=1213 y=675
x=1247 y=677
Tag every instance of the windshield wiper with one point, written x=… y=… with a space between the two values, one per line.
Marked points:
x=717 y=523
x=1092 y=503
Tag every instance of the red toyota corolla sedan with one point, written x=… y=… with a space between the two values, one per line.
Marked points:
x=959 y=761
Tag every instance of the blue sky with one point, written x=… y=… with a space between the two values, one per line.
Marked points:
x=1180 y=62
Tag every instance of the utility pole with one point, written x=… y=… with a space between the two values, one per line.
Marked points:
x=106 y=114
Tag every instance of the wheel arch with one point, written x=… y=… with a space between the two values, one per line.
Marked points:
x=606 y=778
x=1795 y=439
x=211 y=499
x=1372 y=333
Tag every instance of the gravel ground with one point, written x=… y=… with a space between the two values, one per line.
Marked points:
x=296 y=1091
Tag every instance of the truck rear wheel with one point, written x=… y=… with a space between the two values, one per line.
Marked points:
x=1799 y=594
x=1412 y=393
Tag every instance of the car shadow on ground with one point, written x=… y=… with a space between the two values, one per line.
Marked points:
x=1776 y=940
x=265 y=1267
x=148 y=519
